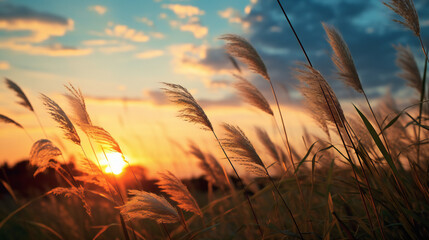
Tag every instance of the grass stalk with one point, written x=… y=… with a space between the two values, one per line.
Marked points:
x=241 y=183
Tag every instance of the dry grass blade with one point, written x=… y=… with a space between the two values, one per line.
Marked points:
x=178 y=192
x=312 y=84
x=191 y=111
x=148 y=205
x=240 y=48
x=41 y=154
x=410 y=72
x=342 y=58
x=406 y=10
x=244 y=152
x=252 y=95
x=5 y=119
x=21 y=95
x=102 y=137
x=77 y=102
x=61 y=118
x=211 y=167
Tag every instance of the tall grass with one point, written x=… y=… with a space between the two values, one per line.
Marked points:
x=373 y=185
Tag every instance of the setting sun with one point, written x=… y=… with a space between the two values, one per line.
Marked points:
x=115 y=163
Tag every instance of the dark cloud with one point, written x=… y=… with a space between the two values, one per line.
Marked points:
x=12 y=12
x=366 y=26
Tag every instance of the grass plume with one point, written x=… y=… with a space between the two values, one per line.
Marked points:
x=62 y=119
x=240 y=48
x=191 y=111
x=178 y=192
x=410 y=71
x=342 y=58
x=148 y=205
x=406 y=10
x=252 y=95
x=20 y=94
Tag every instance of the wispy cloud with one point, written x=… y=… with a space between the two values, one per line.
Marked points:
x=99 y=42
x=54 y=50
x=123 y=31
x=117 y=48
x=146 y=21
x=194 y=26
x=183 y=11
x=4 y=65
x=40 y=27
x=98 y=9
x=150 y=54
x=234 y=16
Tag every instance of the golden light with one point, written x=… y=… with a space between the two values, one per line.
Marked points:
x=115 y=163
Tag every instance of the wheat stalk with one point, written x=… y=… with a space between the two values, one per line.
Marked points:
x=41 y=154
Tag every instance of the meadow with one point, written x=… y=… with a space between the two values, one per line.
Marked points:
x=366 y=176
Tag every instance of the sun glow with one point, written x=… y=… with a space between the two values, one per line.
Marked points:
x=115 y=163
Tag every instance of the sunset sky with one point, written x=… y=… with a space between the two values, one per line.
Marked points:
x=118 y=52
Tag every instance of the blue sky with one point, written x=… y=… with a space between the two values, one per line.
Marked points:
x=125 y=48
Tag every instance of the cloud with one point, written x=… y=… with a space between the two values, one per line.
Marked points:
x=38 y=27
x=146 y=21
x=117 y=48
x=54 y=50
x=366 y=26
x=200 y=60
x=183 y=11
x=101 y=10
x=99 y=42
x=195 y=28
x=150 y=54
x=157 y=35
x=4 y=65
x=123 y=31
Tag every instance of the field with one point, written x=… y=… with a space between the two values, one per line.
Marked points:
x=363 y=175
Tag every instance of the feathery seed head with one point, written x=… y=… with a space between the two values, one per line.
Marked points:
x=41 y=154
x=191 y=111
x=244 y=152
x=211 y=167
x=21 y=95
x=77 y=102
x=61 y=118
x=410 y=72
x=5 y=119
x=240 y=48
x=406 y=10
x=178 y=192
x=148 y=205
x=252 y=95
x=319 y=96
x=342 y=58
